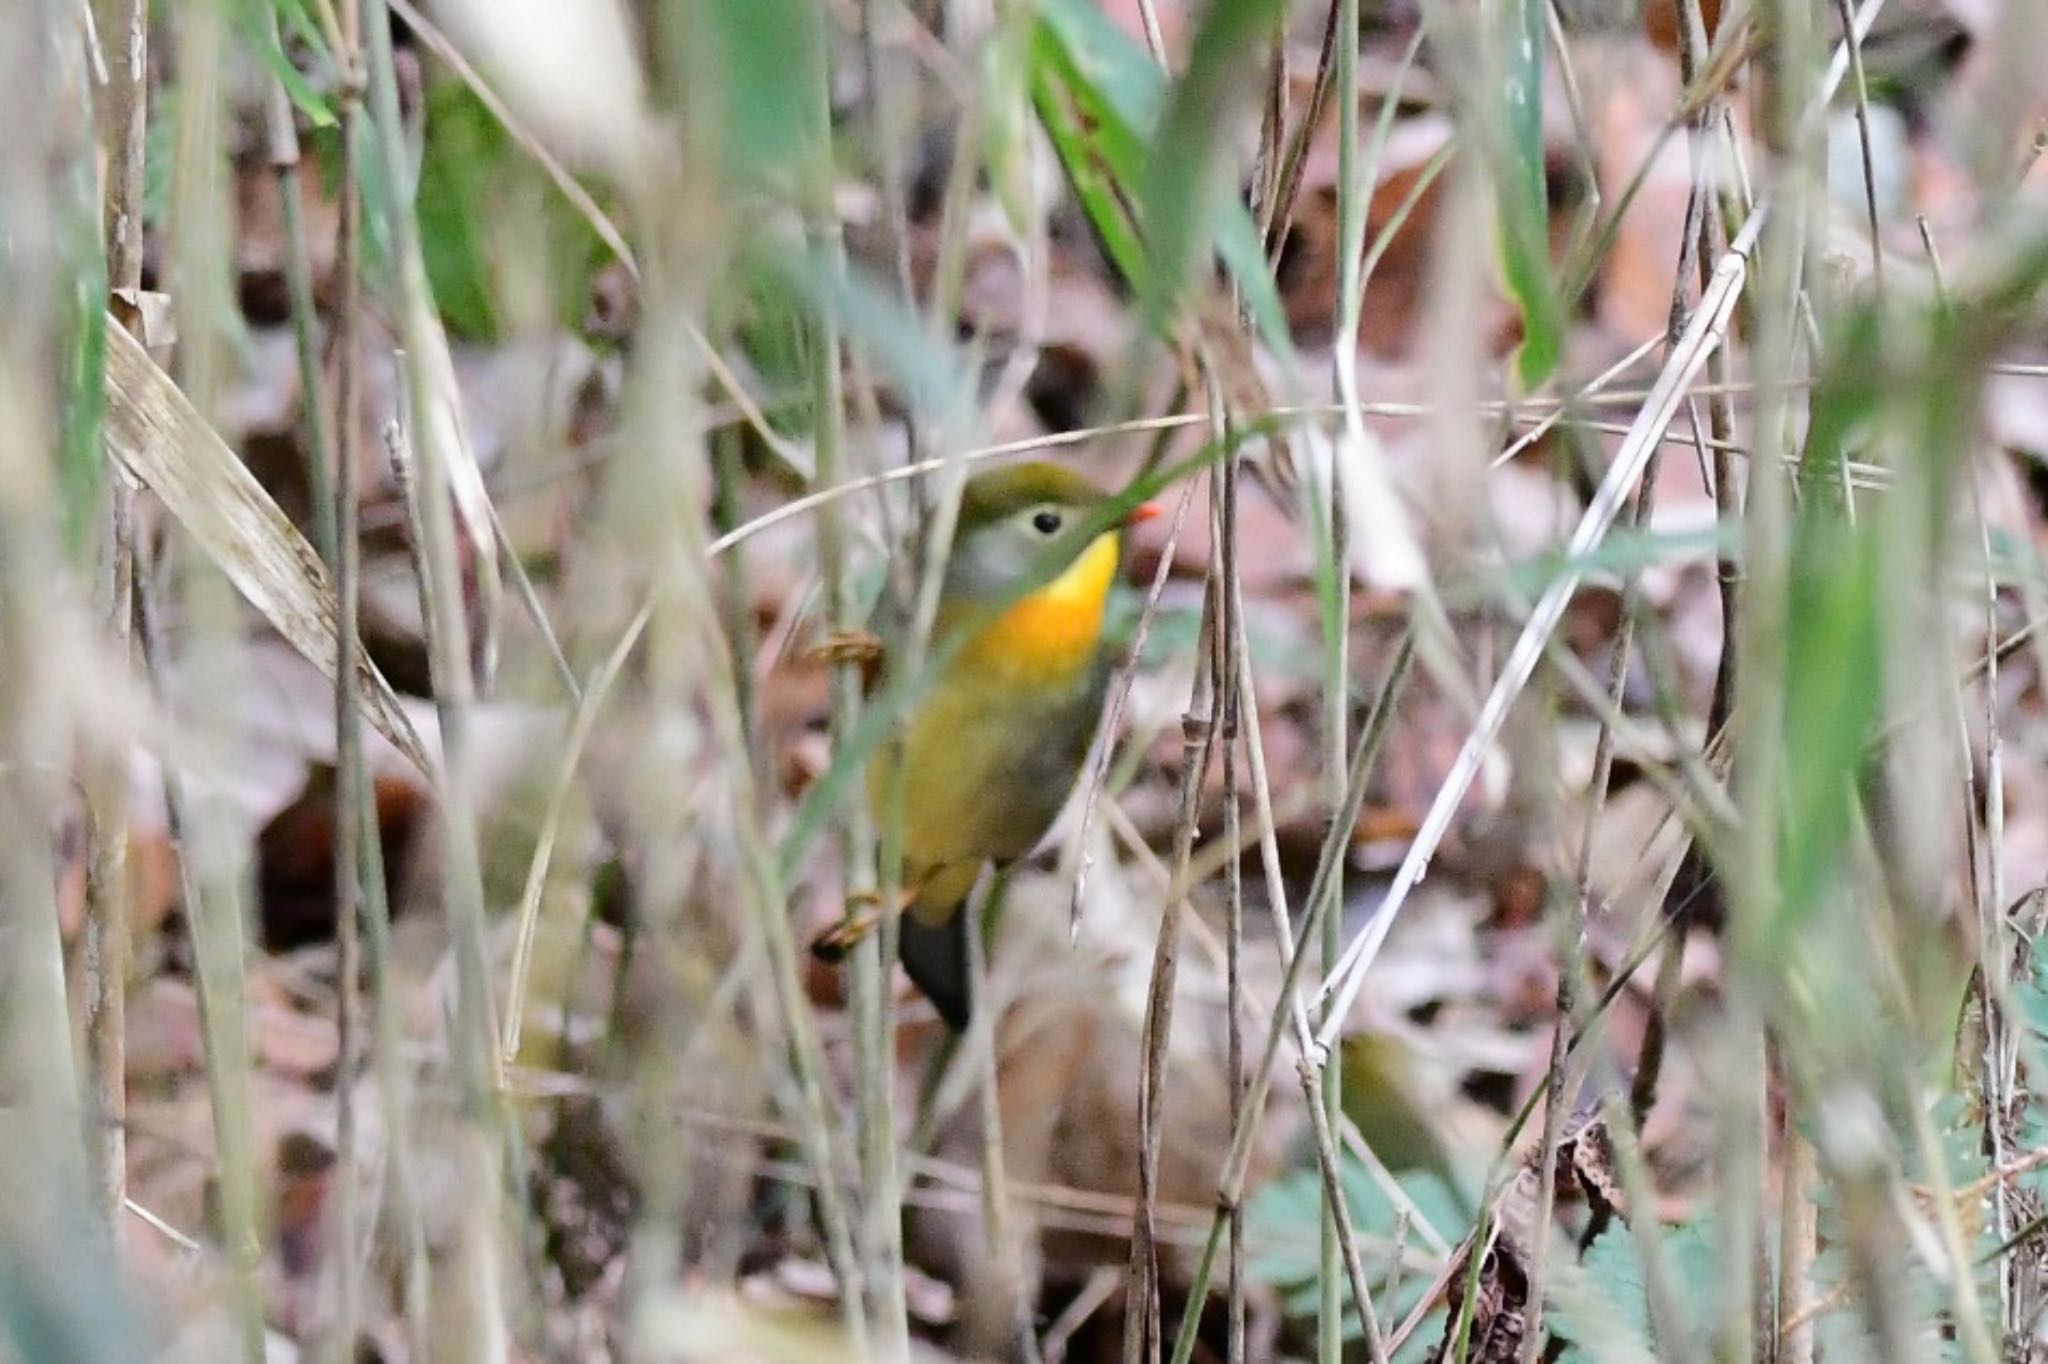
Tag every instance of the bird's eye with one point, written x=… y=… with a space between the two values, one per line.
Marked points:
x=1046 y=522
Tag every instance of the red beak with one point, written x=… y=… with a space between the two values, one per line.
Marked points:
x=1144 y=511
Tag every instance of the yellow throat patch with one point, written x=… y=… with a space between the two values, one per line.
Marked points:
x=1052 y=634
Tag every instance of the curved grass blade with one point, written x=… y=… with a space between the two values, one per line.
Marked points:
x=160 y=439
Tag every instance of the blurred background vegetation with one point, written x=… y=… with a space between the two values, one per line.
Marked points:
x=1560 y=876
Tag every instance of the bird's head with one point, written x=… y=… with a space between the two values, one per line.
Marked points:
x=1033 y=552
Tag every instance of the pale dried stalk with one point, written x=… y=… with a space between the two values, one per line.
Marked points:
x=209 y=880
x=1796 y=1248
x=872 y=979
x=1005 y=1251
x=47 y=1180
x=1232 y=666
x=594 y=694
x=1326 y=1109
x=1143 y=1329
x=478 y=1300
x=1572 y=935
x=344 y=553
x=685 y=638
x=214 y=857
x=105 y=945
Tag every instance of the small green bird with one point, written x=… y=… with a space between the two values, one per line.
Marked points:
x=990 y=752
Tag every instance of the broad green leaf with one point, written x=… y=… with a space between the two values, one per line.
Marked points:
x=1282 y=1226
x=1833 y=684
x=768 y=59
x=464 y=160
x=1600 y=1306
x=1099 y=95
x=471 y=176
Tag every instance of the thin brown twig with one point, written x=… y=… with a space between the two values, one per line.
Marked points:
x=1276 y=215
x=1143 y=1328
x=1852 y=40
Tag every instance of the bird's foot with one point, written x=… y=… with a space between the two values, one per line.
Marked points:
x=848 y=646
x=863 y=914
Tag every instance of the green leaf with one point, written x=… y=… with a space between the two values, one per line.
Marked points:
x=768 y=60
x=1600 y=1306
x=928 y=370
x=1833 y=682
x=1099 y=96
x=1283 y=1224
x=81 y=466
x=1523 y=194
x=1148 y=161
x=1190 y=175
x=473 y=179
x=464 y=158
x=252 y=20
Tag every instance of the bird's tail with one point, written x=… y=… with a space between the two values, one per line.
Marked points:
x=935 y=956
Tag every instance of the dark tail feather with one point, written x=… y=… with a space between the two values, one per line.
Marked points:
x=935 y=955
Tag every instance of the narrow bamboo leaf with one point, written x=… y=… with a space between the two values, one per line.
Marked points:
x=1104 y=58
x=1059 y=95
x=1149 y=161
x=253 y=26
x=160 y=439
x=1237 y=242
x=463 y=161
x=1190 y=180
x=928 y=370
x=1524 y=200
x=81 y=477
x=1833 y=685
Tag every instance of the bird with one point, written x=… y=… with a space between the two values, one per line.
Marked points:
x=988 y=752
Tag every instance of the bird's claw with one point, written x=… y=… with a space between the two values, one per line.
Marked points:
x=863 y=914
x=848 y=646
x=837 y=940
